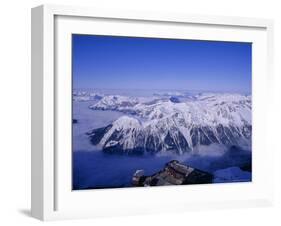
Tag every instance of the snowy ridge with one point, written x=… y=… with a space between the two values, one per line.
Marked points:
x=86 y=96
x=176 y=93
x=115 y=102
x=157 y=125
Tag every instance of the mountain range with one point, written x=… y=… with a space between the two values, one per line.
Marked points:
x=177 y=124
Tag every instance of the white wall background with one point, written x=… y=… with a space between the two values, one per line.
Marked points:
x=15 y=111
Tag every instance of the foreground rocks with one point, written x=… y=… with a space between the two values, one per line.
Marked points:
x=174 y=173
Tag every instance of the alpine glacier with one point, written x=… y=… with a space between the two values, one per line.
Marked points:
x=174 y=124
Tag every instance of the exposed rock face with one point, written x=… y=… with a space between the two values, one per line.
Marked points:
x=174 y=173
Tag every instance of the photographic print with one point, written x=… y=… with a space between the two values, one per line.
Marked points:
x=155 y=111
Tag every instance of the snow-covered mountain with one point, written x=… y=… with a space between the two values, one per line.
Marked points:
x=175 y=93
x=160 y=124
x=85 y=96
x=116 y=102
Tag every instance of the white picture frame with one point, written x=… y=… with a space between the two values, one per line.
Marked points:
x=52 y=197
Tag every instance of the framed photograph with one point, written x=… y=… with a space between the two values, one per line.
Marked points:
x=141 y=112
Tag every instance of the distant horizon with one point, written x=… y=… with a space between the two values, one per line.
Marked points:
x=161 y=64
x=152 y=89
x=166 y=90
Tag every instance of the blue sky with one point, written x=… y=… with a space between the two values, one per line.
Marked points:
x=149 y=63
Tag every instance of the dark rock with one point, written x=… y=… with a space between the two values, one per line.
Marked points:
x=180 y=144
x=247 y=167
x=97 y=134
x=175 y=100
x=174 y=173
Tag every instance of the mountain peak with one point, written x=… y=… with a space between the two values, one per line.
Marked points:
x=165 y=125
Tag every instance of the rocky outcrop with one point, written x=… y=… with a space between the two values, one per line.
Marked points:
x=174 y=173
